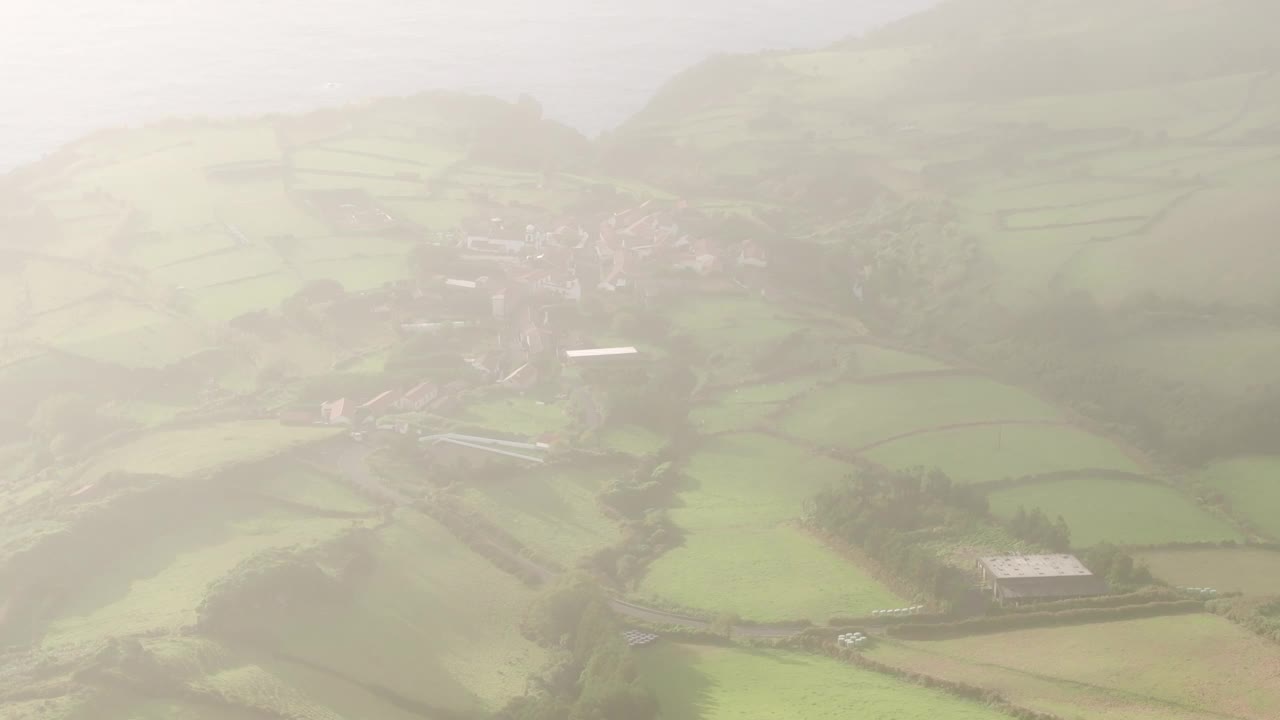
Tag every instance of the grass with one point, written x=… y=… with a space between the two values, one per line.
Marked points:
x=199 y=450
x=707 y=683
x=1231 y=361
x=552 y=511
x=435 y=623
x=1170 y=668
x=853 y=416
x=633 y=440
x=751 y=480
x=983 y=454
x=1116 y=511
x=775 y=574
x=226 y=302
x=741 y=493
x=158 y=583
x=1252 y=487
x=870 y=361
x=1251 y=571
x=519 y=416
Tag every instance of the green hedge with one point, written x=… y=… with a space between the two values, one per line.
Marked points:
x=957 y=689
x=1002 y=623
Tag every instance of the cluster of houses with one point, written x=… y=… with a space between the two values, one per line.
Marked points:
x=619 y=253
x=418 y=398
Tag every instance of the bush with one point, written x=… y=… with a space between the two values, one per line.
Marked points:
x=1021 y=621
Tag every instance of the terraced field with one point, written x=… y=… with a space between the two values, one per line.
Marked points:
x=743 y=494
x=553 y=511
x=859 y=416
x=1252 y=571
x=1122 y=512
x=982 y=454
x=1173 y=668
x=708 y=683
x=1252 y=487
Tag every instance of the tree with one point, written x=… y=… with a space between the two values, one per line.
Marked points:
x=724 y=624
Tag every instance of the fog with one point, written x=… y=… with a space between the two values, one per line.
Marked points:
x=77 y=65
x=640 y=360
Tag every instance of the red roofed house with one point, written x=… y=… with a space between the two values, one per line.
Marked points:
x=378 y=405
x=334 y=412
x=419 y=397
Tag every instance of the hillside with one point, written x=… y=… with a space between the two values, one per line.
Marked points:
x=1054 y=175
x=291 y=430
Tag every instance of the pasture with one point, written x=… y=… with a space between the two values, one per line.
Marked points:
x=434 y=623
x=854 y=416
x=153 y=577
x=1123 y=512
x=1252 y=488
x=741 y=496
x=1252 y=571
x=711 y=683
x=551 y=510
x=204 y=449
x=767 y=574
x=517 y=415
x=1188 y=667
x=982 y=454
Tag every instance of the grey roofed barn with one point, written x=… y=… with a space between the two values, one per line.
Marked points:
x=1019 y=578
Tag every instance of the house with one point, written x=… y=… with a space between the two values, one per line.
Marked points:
x=1016 y=579
x=493 y=246
x=419 y=397
x=568 y=288
x=378 y=405
x=334 y=412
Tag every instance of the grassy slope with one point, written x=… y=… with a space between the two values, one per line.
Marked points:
x=1248 y=570
x=1117 y=511
x=1081 y=156
x=742 y=493
x=701 y=683
x=552 y=511
x=435 y=623
x=853 y=416
x=975 y=455
x=1252 y=487
x=1176 y=668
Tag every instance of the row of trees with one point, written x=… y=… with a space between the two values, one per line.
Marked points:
x=595 y=676
x=889 y=513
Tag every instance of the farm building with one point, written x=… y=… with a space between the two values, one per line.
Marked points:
x=601 y=356
x=1027 y=578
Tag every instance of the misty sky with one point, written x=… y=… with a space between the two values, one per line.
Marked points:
x=72 y=65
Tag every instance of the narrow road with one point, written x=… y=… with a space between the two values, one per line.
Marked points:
x=351 y=459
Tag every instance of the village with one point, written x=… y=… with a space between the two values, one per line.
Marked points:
x=509 y=298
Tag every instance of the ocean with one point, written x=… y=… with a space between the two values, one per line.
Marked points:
x=68 y=67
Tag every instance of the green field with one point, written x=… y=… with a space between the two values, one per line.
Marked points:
x=983 y=454
x=204 y=449
x=737 y=506
x=1122 y=512
x=435 y=623
x=748 y=407
x=853 y=415
x=1191 y=667
x=870 y=361
x=1251 y=571
x=1252 y=488
x=518 y=415
x=706 y=683
x=777 y=574
x=552 y=511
